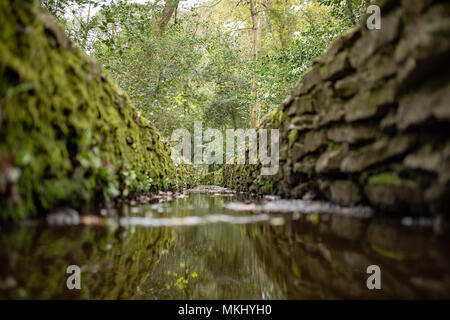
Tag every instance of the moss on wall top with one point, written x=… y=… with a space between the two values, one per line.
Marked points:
x=68 y=134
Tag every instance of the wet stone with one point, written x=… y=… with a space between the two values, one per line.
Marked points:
x=66 y=216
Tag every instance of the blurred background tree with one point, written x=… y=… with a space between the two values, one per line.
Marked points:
x=225 y=62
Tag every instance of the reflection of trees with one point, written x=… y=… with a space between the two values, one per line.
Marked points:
x=219 y=254
x=329 y=259
x=113 y=262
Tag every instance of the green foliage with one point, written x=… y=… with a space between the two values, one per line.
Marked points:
x=200 y=66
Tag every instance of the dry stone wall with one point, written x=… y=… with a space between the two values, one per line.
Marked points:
x=68 y=134
x=369 y=123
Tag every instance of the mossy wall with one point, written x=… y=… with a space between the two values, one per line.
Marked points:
x=369 y=123
x=213 y=178
x=68 y=134
x=114 y=262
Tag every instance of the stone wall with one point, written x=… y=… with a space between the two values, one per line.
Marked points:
x=68 y=134
x=369 y=122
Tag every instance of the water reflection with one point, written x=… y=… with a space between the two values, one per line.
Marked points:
x=113 y=262
x=220 y=257
x=196 y=247
x=327 y=259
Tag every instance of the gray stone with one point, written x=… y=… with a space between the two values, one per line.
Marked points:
x=368 y=44
x=377 y=68
x=415 y=6
x=301 y=105
x=390 y=195
x=389 y=122
x=426 y=45
x=337 y=67
x=349 y=86
x=332 y=50
x=377 y=152
x=334 y=113
x=418 y=107
x=368 y=104
x=304 y=122
x=426 y=158
x=380 y=66
x=306 y=165
x=330 y=161
x=309 y=80
x=299 y=190
x=345 y=192
x=324 y=96
x=311 y=142
x=352 y=133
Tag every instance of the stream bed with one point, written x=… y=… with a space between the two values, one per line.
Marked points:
x=211 y=243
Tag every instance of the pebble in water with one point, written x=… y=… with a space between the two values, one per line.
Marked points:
x=65 y=216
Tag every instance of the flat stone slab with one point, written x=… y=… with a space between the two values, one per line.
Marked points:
x=209 y=189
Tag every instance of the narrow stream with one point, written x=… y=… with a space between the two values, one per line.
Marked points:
x=213 y=244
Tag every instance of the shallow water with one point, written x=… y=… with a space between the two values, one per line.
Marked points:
x=227 y=246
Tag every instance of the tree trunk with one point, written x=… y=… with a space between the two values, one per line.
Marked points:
x=351 y=13
x=163 y=20
x=256 y=31
x=166 y=14
x=87 y=29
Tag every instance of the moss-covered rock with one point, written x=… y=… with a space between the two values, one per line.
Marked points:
x=213 y=178
x=68 y=134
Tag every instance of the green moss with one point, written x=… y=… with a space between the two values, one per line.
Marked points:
x=314 y=218
x=385 y=178
x=386 y=253
x=292 y=136
x=337 y=269
x=333 y=146
x=280 y=117
x=64 y=125
x=269 y=187
x=213 y=178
